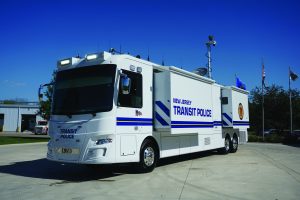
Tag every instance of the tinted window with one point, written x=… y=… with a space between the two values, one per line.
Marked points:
x=135 y=98
x=224 y=100
x=84 y=90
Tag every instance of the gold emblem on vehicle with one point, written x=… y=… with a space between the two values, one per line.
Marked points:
x=241 y=111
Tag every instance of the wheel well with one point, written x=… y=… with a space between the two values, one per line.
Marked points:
x=153 y=140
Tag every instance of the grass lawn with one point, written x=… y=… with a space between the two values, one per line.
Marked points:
x=20 y=140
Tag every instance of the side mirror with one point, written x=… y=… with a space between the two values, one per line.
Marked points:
x=125 y=84
x=40 y=94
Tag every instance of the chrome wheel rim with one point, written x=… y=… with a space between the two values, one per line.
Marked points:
x=149 y=156
x=234 y=143
x=227 y=143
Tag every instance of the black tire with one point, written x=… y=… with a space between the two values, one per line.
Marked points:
x=148 y=157
x=234 y=144
x=226 y=148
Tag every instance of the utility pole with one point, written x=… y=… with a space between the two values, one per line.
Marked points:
x=263 y=98
x=293 y=77
x=291 y=109
x=263 y=110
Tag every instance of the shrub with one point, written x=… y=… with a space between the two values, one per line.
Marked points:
x=274 y=138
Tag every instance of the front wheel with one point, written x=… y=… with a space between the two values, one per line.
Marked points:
x=148 y=157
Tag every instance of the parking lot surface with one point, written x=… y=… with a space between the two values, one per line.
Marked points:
x=256 y=171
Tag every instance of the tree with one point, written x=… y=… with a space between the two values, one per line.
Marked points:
x=45 y=105
x=14 y=101
x=276 y=108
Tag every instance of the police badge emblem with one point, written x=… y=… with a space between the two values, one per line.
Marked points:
x=241 y=111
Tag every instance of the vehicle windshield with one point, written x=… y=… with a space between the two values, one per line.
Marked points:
x=84 y=90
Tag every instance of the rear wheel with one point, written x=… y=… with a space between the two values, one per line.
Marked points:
x=148 y=156
x=226 y=148
x=234 y=144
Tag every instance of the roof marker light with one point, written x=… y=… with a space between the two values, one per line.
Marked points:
x=132 y=67
x=92 y=56
x=139 y=70
x=65 y=62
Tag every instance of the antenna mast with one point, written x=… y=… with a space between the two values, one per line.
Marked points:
x=211 y=41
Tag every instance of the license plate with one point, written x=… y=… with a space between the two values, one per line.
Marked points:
x=68 y=151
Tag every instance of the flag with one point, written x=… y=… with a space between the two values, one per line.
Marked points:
x=240 y=84
x=293 y=76
x=263 y=75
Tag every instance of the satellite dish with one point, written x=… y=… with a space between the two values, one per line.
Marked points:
x=202 y=71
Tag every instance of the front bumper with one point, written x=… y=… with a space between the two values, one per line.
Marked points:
x=86 y=152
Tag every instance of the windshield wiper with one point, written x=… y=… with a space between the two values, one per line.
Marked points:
x=93 y=113
x=69 y=115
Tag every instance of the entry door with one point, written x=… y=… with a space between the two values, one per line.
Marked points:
x=134 y=111
x=1 y=122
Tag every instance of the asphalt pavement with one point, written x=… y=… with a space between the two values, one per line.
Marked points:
x=256 y=171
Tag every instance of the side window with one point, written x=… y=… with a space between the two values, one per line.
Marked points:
x=224 y=100
x=135 y=98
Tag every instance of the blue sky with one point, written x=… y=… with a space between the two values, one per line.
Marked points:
x=35 y=34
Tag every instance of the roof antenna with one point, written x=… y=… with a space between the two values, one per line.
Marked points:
x=78 y=56
x=163 y=61
x=112 y=51
x=148 y=58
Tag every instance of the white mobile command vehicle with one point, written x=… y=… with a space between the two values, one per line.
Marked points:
x=116 y=108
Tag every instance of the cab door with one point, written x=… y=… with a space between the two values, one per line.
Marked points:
x=134 y=108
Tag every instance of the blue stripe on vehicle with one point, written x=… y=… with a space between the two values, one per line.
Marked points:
x=241 y=123
x=163 y=107
x=191 y=122
x=161 y=120
x=192 y=126
x=134 y=123
x=227 y=117
x=130 y=121
x=217 y=123
x=134 y=119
